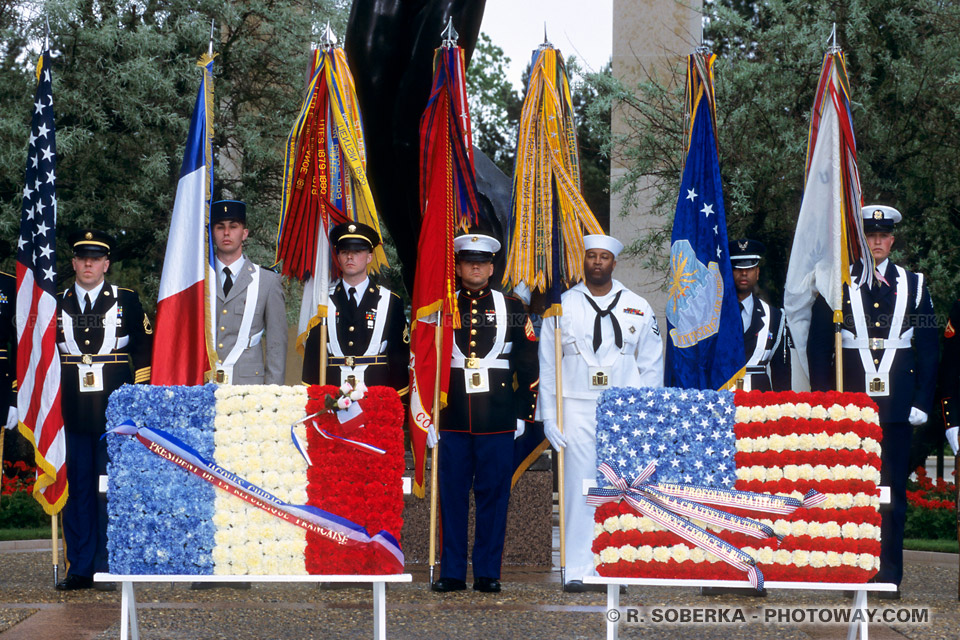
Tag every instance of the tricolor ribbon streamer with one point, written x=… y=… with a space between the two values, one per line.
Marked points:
x=350 y=421
x=323 y=523
x=670 y=504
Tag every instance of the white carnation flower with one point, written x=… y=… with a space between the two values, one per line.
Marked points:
x=852 y=412
x=611 y=524
x=798 y=528
x=645 y=553
x=818 y=559
x=679 y=553
x=628 y=553
x=610 y=555
x=804 y=410
x=782 y=556
x=865 y=561
x=870 y=415
x=849 y=559
x=661 y=554
x=818 y=413
x=801 y=558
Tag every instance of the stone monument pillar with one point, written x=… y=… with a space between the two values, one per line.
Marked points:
x=650 y=40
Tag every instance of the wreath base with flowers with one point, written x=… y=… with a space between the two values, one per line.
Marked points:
x=786 y=444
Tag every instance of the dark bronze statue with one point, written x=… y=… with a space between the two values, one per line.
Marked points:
x=390 y=46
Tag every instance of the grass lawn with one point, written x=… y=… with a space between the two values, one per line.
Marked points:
x=39 y=533
x=921 y=544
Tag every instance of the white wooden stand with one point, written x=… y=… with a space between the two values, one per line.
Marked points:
x=856 y=628
x=128 y=603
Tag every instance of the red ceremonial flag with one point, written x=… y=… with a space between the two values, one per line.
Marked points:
x=448 y=199
x=182 y=343
x=38 y=364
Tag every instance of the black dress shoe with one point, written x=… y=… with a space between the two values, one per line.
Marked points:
x=574 y=586
x=445 y=585
x=73 y=583
x=486 y=585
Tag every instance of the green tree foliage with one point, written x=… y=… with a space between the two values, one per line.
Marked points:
x=905 y=91
x=124 y=90
x=494 y=104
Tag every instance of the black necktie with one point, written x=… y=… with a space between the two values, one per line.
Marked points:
x=227 y=281
x=597 y=335
x=352 y=293
x=87 y=305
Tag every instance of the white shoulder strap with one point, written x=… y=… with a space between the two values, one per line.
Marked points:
x=246 y=321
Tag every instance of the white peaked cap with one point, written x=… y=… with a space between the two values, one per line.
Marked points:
x=600 y=241
x=475 y=242
x=880 y=212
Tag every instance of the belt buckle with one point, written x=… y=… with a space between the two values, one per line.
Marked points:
x=86 y=359
x=472 y=363
x=876 y=344
x=348 y=361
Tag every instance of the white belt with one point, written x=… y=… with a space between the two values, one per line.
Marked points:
x=876 y=344
x=459 y=362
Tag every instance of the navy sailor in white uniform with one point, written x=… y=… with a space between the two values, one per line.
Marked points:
x=890 y=347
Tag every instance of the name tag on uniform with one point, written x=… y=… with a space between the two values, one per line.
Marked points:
x=91 y=379
x=597 y=378
x=878 y=384
x=476 y=380
x=223 y=374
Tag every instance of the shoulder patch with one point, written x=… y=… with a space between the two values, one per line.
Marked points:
x=949 y=331
x=147 y=327
x=528 y=330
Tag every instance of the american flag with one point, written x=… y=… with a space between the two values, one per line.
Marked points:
x=38 y=365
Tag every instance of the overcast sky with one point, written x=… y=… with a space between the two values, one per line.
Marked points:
x=583 y=28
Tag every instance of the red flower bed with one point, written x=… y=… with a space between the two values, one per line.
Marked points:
x=360 y=486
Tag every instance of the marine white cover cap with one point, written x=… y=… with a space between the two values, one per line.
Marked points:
x=599 y=241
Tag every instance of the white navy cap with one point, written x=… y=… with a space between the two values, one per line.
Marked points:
x=475 y=247
x=600 y=241
x=877 y=217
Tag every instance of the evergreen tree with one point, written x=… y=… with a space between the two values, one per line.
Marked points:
x=124 y=90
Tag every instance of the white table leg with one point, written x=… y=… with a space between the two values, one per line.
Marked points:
x=613 y=603
x=379 y=611
x=858 y=608
x=129 y=626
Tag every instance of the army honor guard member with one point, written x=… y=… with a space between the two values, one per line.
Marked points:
x=250 y=307
x=104 y=339
x=492 y=393
x=609 y=338
x=367 y=335
x=765 y=336
x=890 y=346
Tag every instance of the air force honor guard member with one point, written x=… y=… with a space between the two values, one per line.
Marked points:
x=104 y=338
x=492 y=393
x=609 y=338
x=367 y=330
x=765 y=336
x=250 y=306
x=890 y=352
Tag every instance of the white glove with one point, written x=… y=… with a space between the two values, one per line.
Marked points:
x=917 y=417
x=12 y=418
x=552 y=432
x=432 y=437
x=521 y=427
x=952 y=439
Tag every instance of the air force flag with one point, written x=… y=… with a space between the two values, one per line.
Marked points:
x=705 y=333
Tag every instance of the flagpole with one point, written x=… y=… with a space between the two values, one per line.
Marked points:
x=558 y=358
x=435 y=451
x=56 y=549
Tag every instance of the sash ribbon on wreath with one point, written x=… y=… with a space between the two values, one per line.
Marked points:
x=331 y=526
x=673 y=505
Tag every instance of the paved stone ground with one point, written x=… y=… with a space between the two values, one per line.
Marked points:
x=531 y=606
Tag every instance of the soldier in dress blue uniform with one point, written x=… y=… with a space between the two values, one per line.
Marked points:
x=492 y=393
x=367 y=334
x=765 y=336
x=889 y=352
x=104 y=338
x=950 y=377
x=8 y=346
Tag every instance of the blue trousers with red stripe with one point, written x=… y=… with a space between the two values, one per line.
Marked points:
x=485 y=464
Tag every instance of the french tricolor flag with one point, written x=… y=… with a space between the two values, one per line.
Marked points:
x=182 y=346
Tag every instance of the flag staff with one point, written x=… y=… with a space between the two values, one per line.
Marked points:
x=450 y=37
x=838 y=308
x=210 y=45
x=328 y=42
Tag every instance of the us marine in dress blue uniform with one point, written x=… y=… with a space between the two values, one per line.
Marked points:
x=367 y=335
x=889 y=352
x=104 y=339
x=493 y=383
x=765 y=334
